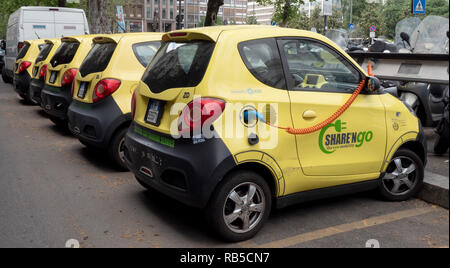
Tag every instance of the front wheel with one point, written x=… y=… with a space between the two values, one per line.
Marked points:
x=403 y=177
x=239 y=206
x=5 y=77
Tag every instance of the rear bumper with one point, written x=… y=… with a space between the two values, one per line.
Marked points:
x=56 y=100
x=22 y=83
x=182 y=170
x=95 y=123
x=36 y=87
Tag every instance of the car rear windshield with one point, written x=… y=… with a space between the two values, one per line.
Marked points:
x=178 y=64
x=44 y=52
x=145 y=51
x=65 y=53
x=23 y=51
x=98 y=58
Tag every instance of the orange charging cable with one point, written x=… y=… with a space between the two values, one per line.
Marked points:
x=298 y=131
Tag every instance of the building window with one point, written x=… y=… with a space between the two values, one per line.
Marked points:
x=149 y=12
x=164 y=15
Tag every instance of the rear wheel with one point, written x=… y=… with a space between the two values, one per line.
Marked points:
x=240 y=206
x=5 y=77
x=116 y=149
x=403 y=177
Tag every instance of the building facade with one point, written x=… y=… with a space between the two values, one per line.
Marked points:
x=194 y=12
x=262 y=14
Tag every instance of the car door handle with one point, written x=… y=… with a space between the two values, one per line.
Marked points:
x=308 y=114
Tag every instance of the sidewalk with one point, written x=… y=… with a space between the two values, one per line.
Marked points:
x=435 y=189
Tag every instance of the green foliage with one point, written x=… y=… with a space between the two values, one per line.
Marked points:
x=285 y=10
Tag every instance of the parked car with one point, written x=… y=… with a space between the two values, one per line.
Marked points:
x=2 y=56
x=100 y=113
x=40 y=69
x=56 y=95
x=24 y=67
x=29 y=23
x=202 y=85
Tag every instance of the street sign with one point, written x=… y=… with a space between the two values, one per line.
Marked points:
x=273 y=23
x=327 y=7
x=372 y=35
x=418 y=6
x=372 y=28
x=351 y=26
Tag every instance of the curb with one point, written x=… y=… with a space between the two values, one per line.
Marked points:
x=435 y=189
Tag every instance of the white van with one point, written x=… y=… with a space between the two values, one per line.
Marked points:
x=29 y=23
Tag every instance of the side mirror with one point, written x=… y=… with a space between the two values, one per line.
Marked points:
x=373 y=84
x=405 y=37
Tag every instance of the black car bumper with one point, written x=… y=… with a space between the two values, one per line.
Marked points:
x=95 y=123
x=36 y=87
x=178 y=168
x=22 y=83
x=56 y=100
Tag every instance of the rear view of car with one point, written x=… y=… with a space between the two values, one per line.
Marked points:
x=24 y=66
x=40 y=69
x=100 y=112
x=56 y=95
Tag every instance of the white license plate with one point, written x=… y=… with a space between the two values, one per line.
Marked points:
x=153 y=112
x=53 y=77
x=82 y=90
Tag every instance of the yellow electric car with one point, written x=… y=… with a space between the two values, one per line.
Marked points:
x=56 y=95
x=40 y=69
x=100 y=113
x=24 y=67
x=231 y=119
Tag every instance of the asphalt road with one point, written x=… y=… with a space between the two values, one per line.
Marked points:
x=53 y=189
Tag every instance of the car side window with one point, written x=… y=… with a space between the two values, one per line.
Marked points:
x=144 y=52
x=316 y=67
x=263 y=60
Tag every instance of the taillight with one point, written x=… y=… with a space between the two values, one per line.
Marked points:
x=43 y=72
x=133 y=105
x=104 y=88
x=19 y=46
x=199 y=112
x=68 y=76
x=24 y=65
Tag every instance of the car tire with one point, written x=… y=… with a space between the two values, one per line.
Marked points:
x=441 y=143
x=5 y=77
x=403 y=177
x=115 y=149
x=229 y=207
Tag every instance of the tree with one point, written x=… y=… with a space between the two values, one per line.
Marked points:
x=285 y=10
x=211 y=13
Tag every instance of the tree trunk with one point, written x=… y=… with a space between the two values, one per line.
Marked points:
x=286 y=13
x=98 y=17
x=211 y=14
x=62 y=3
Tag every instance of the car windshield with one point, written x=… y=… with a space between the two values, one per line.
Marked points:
x=65 y=53
x=44 y=52
x=98 y=58
x=430 y=36
x=178 y=64
x=407 y=26
x=23 y=51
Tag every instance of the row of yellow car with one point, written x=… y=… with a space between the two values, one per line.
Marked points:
x=214 y=117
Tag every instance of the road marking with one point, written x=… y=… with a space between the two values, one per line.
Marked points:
x=338 y=229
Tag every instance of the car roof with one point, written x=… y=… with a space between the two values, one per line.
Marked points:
x=119 y=36
x=213 y=32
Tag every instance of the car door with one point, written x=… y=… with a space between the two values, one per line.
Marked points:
x=321 y=80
